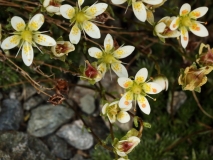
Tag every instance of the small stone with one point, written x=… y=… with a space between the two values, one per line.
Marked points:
x=87 y=104
x=11 y=114
x=59 y=147
x=29 y=91
x=76 y=135
x=46 y=119
x=20 y=146
x=32 y=102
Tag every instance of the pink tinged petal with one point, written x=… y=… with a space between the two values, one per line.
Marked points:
x=123 y=117
x=18 y=23
x=152 y=88
x=153 y=2
x=185 y=9
x=199 y=12
x=95 y=52
x=175 y=23
x=98 y=77
x=10 y=42
x=67 y=11
x=27 y=54
x=143 y=104
x=184 y=37
x=46 y=3
x=126 y=100
x=80 y=2
x=36 y=22
x=44 y=40
x=104 y=108
x=125 y=82
x=119 y=69
x=141 y=75
x=118 y=1
x=123 y=52
x=53 y=9
x=198 y=29
x=139 y=11
x=108 y=43
x=91 y=29
x=75 y=35
x=102 y=68
x=135 y=140
x=160 y=27
x=96 y=9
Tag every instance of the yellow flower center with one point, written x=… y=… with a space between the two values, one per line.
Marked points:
x=108 y=58
x=186 y=21
x=136 y=89
x=27 y=36
x=81 y=17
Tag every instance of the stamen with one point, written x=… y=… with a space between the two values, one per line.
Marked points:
x=19 y=49
x=37 y=47
x=154 y=99
x=126 y=9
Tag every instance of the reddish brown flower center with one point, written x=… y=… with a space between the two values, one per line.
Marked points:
x=91 y=71
x=61 y=48
x=54 y=3
x=126 y=146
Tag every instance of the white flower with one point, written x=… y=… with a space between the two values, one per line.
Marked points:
x=52 y=6
x=81 y=18
x=187 y=20
x=113 y=112
x=109 y=56
x=138 y=7
x=137 y=89
x=62 y=48
x=162 y=28
x=27 y=36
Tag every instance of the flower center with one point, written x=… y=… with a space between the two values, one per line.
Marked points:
x=126 y=146
x=186 y=21
x=108 y=58
x=113 y=109
x=61 y=48
x=81 y=17
x=136 y=89
x=27 y=36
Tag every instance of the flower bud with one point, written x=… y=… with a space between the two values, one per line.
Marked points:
x=205 y=57
x=53 y=6
x=62 y=48
x=91 y=71
x=162 y=81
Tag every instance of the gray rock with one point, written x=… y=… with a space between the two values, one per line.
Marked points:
x=29 y=91
x=76 y=135
x=59 y=147
x=32 y=102
x=46 y=119
x=87 y=104
x=11 y=114
x=20 y=146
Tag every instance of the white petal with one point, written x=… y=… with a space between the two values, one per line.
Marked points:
x=36 y=22
x=141 y=75
x=104 y=108
x=95 y=52
x=126 y=101
x=108 y=43
x=102 y=68
x=46 y=3
x=98 y=77
x=10 y=42
x=184 y=37
x=153 y=2
x=75 y=35
x=119 y=69
x=139 y=10
x=159 y=28
x=175 y=23
x=53 y=9
x=112 y=117
x=123 y=117
x=143 y=104
x=118 y=1
x=152 y=88
x=162 y=81
x=199 y=29
x=113 y=103
x=125 y=82
x=91 y=29
x=80 y=2
x=18 y=23
x=96 y=9
x=123 y=52
x=27 y=53
x=198 y=12
x=185 y=9
x=44 y=40
x=67 y=11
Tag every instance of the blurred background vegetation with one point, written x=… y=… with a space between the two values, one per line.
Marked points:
x=184 y=133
